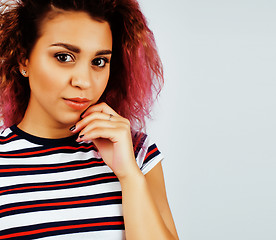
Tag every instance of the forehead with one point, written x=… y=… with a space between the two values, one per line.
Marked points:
x=76 y=28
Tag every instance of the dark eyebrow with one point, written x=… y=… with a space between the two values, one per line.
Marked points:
x=103 y=52
x=67 y=46
x=77 y=50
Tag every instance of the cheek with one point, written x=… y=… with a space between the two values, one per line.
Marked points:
x=42 y=83
x=44 y=77
x=104 y=83
x=106 y=78
x=101 y=81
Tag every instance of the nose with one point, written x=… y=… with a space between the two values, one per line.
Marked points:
x=82 y=76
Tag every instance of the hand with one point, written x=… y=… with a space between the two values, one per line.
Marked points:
x=111 y=135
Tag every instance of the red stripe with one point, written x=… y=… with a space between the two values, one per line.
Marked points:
x=5 y=140
x=44 y=151
x=58 y=185
x=61 y=203
x=61 y=228
x=151 y=152
x=48 y=168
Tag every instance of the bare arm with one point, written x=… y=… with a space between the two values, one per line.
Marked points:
x=146 y=211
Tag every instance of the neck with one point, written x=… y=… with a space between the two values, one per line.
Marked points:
x=37 y=127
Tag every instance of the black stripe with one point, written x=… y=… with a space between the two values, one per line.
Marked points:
x=65 y=224
x=60 y=200
x=151 y=156
x=42 y=186
x=45 y=141
x=55 y=167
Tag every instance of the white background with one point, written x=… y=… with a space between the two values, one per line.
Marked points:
x=215 y=120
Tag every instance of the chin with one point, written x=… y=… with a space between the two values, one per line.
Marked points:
x=69 y=119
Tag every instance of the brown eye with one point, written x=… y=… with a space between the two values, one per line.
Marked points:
x=63 y=57
x=99 y=62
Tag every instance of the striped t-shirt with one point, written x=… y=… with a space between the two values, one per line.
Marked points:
x=60 y=189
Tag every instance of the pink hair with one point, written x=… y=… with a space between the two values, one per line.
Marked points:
x=142 y=65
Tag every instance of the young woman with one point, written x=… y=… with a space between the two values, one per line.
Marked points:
x=77 y=81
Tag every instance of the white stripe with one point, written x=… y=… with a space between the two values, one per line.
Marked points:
x=62 y=193
x=6 y=132
x=16 y=145
x=27 y=219
x=55 y=158
x=151 y=164
x=100 y=235
x=52 y=177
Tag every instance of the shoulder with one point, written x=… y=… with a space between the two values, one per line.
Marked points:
x=146 y=152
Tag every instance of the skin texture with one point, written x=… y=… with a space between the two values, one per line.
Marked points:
x=57 y=73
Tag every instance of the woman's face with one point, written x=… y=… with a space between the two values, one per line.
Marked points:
x=68 y=68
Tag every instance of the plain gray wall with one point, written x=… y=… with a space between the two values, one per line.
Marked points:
x=215 y=120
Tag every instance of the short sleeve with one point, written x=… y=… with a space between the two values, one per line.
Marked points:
x=147 y=153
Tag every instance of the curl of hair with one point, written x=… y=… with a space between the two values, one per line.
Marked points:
x=136 y=73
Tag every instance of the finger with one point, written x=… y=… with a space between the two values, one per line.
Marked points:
x=98 y=123
x=100 y=132
x=97 y=116
x=100 y=115
x=101 y=107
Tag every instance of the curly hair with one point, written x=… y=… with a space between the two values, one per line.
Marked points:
x=136 y=72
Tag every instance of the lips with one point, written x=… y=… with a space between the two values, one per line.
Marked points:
x=77 y=103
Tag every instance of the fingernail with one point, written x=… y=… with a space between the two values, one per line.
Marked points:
x=73 y=128
x=81 y=116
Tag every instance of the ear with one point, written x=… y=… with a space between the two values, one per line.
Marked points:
x=24 y=67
